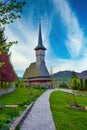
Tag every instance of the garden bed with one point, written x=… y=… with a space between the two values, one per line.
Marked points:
x=77 y=107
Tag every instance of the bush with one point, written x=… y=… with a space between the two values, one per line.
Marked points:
x=63 y=85
x=1 y=124
x=6 y=127
x=39 y=87
x=13 y=112
x=75 y=83
x=19 y=83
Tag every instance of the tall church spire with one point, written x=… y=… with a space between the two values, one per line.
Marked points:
x=40 y=35
x=40 y=42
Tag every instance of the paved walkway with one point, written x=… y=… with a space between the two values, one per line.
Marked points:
x=40 y=117
x=66 y=90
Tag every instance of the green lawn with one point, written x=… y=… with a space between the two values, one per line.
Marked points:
x=65 y=118
x=21 y=96
x=82 y=92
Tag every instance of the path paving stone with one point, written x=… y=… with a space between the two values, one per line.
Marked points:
x=40 y=117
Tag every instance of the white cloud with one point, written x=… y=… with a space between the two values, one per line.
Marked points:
x=75 y=37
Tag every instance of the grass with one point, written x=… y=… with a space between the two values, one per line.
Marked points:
x=64 y=118
x=82 y=92
x=7 y=87
x=21 y=96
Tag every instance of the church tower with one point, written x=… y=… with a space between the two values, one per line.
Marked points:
x=37 y=73
x=40 y=50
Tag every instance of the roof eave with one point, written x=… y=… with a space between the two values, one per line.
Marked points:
x=37 y=48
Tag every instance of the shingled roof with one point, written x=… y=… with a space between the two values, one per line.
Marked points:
x=33 y=71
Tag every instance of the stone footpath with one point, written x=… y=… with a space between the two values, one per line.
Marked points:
x=40 y=117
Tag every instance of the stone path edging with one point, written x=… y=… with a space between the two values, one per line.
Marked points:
x=7 y=91
x=21 y=117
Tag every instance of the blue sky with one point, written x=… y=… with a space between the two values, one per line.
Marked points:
x=64 y=32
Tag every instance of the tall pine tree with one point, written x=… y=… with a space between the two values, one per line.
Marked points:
x=4 y=46
x=85 y=82
x=81 y=86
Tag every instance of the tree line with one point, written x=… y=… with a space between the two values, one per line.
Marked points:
x=74 y=83
x=79 y=84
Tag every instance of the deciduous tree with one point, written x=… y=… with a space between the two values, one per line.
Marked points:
x=7 y=73
x=10 y=10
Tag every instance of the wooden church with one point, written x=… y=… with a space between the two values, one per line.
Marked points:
x=37 y=73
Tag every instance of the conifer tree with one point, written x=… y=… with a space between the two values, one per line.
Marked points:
x=74 y=81
x=85 y=82
x=2 y=41
x=4 y=46
x=81 y=86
